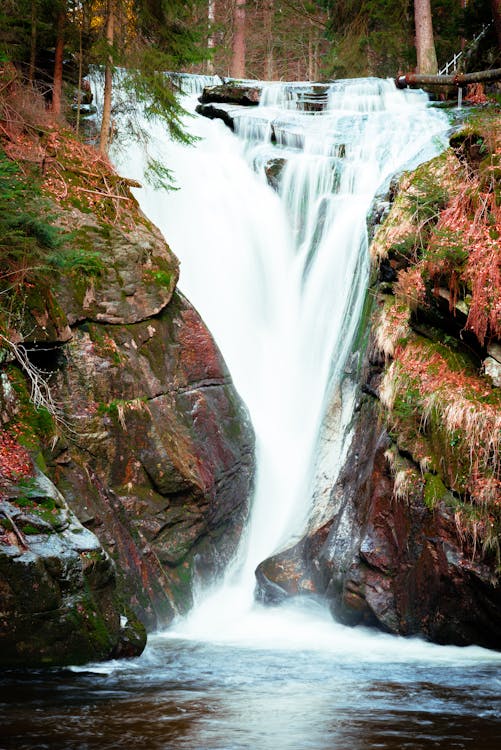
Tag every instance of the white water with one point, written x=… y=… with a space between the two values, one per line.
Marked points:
x=280 y=282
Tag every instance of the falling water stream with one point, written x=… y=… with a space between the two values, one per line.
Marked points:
x=280 y=277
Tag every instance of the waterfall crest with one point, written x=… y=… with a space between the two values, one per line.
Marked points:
x=280 y=276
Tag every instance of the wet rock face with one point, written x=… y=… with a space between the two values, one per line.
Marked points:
x=408 y=572
x=58 y=602
x=224 y=112
x=386 y=562
x=231 y=93
x=161 y=464
x=273 y=170
x=289 y=573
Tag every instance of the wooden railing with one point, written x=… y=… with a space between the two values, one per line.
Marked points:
x=452 y=65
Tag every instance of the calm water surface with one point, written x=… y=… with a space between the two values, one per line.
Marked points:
x=201 y=696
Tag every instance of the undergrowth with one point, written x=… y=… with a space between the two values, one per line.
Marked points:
x=443 y=240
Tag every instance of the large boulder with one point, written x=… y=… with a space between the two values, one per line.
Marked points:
x=59 y=602
x=232 y=93
x=160 y=465
x=117 y=390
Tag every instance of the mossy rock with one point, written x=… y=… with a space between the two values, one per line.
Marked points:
x=59 y=602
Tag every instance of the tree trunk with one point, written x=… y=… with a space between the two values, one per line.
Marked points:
x=425 y=45
x=211 y=42
x=496 y=15
x=80 y=76
x=104 y=138
x=57 y=87
x=238 y=58
x=268 y=11
x=311 y=55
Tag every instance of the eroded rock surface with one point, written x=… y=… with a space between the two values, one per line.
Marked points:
x=162 y=462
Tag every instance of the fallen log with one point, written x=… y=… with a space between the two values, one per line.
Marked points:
x=458 y=79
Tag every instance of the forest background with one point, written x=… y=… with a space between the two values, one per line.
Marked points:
x=264 y=39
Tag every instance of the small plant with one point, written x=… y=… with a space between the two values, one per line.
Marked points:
x=76 y=261
x=29 y=529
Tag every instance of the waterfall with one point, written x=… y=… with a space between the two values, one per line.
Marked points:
x=280 y=276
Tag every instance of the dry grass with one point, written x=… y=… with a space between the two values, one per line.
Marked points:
x=440 y=409
x=410 y=287
x=454 y=403
x=22 y=106
x=75 y=174
x=392 y=325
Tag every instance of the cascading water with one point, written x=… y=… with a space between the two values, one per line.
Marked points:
x=281 y=279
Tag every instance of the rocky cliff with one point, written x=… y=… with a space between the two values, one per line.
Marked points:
x=410 y=540
x=127 y=456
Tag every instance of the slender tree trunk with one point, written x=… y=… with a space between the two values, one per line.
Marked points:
x=211 y=42
x=496 y=15
x=311 y=61
x=57 y=88
x=268 y=11
x=425 y=45
x=238 y=58
x=80 y=75
x=33 y=42
x=104 y=138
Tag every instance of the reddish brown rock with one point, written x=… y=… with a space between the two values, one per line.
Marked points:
x=160 y=463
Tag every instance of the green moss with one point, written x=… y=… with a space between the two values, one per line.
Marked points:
x=32 y=425
x=50 y=517
x=363 y=330
x=45 y=422
x=24 y=502
x=40 y=462
x=407 y=404
x=447 y=250
x=405 y=247
x=48 y=503
x=162 y=273
x=434 y=490
x=28 y=529
x=90 y=623
x=163 y=277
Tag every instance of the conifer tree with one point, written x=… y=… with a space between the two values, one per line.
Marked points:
x=104 y=137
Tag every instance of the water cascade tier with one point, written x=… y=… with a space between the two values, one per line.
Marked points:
x=270 y=225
